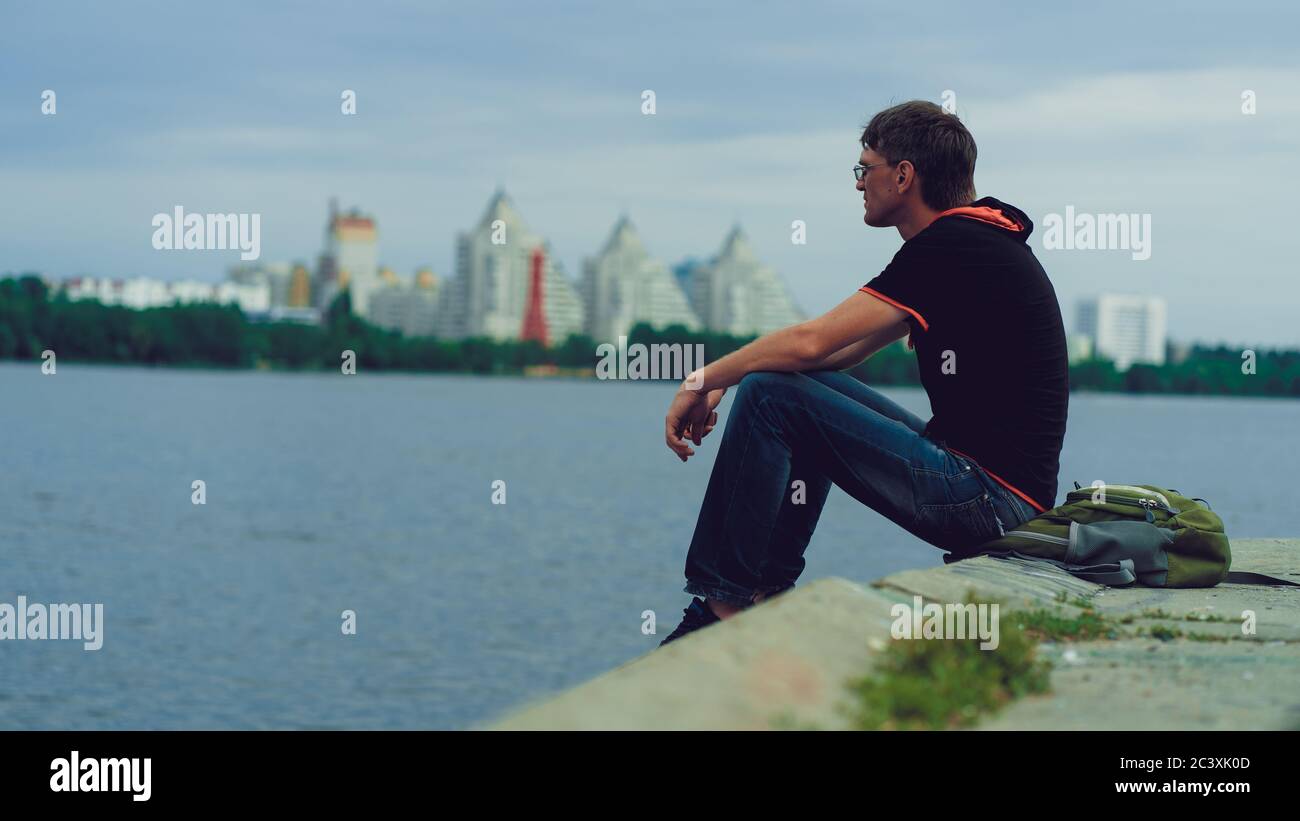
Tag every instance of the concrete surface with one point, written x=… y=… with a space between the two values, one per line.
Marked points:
x=785 y=662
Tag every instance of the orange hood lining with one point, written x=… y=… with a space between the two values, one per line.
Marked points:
x=984 y=213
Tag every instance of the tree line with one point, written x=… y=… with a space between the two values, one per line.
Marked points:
x=33 y=320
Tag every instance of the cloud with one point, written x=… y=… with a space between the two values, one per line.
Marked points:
x=1179 y=104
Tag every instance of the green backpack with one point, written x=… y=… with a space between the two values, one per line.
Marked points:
x=1119 y=534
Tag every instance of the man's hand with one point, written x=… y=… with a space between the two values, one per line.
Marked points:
x=711 y=419
x=691 y=415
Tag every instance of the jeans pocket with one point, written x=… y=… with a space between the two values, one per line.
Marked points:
x=961 y=525
x=934 y=458
x=1020 y=511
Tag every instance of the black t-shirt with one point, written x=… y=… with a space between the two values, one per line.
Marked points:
x=989 y=340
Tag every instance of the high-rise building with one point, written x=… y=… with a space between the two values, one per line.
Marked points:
x=299 y=288
x=734 y=293
x=388 y=305
x=421 y=318
x=624 y=285
x=488 y=296
x=1125 y=328
x=326 y=281
x=349 y=260
x=410 y=308
x=274 y=275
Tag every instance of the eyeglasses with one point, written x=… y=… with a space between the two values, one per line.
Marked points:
x=860 y=171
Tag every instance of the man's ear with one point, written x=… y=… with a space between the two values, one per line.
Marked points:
x=905 y=175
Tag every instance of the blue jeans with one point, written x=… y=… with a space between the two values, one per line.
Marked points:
x=816 y=428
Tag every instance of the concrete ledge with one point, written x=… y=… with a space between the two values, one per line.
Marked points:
x=785 y=662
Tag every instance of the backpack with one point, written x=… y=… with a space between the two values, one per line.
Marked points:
x=1121 y=534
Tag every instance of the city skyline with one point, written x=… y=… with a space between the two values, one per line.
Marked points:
x=621 y=286
x=424 y=304
x=376 y=277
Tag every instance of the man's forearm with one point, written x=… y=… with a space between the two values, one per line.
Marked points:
x=789 y=349
x=809 y=344
x=846 y=357
x=863 y=349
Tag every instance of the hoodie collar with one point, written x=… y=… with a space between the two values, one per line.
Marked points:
x=984 y=213
x=993 y=212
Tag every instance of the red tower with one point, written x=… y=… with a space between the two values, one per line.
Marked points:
x=535 y=314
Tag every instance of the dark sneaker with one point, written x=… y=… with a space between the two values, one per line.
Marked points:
x=695 y=616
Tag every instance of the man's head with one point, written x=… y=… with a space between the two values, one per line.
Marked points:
x=918 y=158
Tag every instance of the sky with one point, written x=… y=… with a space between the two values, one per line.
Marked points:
x=1106 y=107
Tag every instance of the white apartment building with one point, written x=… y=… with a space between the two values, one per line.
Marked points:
x=410 y=308
x=737 y=294
x=1125 y=328
x=350 y=260
x=624 y=285
x=276 y=275
x=489 y=294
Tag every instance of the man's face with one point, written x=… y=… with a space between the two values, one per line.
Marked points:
x=880 y=199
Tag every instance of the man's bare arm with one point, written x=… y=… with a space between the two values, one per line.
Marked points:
x=861 y=319
x=858 y=352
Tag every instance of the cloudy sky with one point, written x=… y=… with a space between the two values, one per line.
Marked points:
x=235 y=107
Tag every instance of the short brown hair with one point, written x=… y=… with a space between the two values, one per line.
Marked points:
x=935 y=142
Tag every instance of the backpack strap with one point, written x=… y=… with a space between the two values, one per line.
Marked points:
x=1116 y=574
x=1113 y=574
x=1250 y=577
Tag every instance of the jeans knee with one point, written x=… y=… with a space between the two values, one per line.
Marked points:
x=760 y=383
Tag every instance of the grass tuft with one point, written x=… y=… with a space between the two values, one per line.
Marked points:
x=947 y=683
